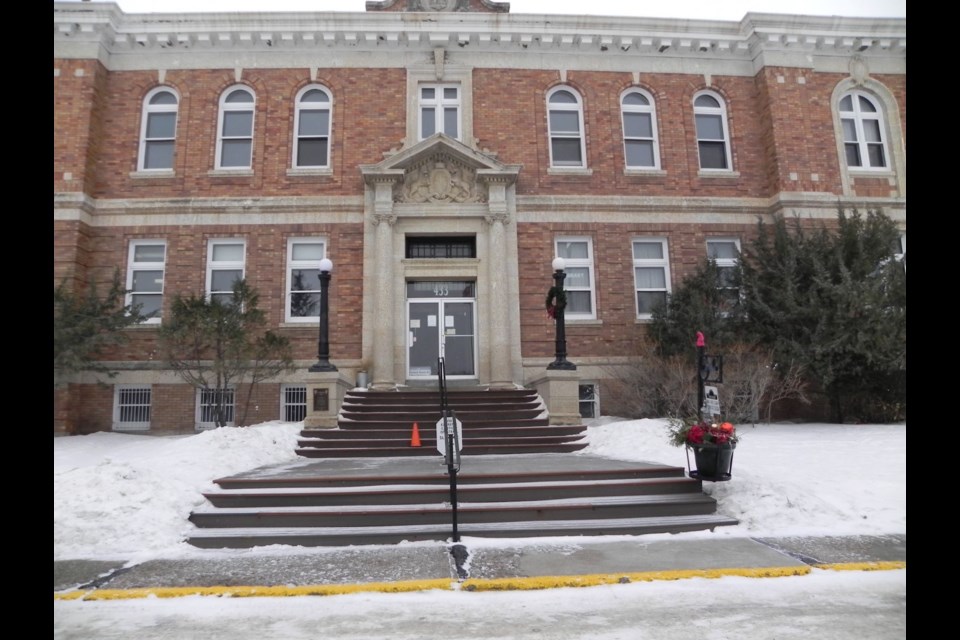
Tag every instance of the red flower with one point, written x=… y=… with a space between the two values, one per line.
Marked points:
x=695 y=435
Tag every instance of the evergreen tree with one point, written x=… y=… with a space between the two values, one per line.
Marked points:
x=84 y=324
x=833 y=300
x=215 y=345
x=708 y=301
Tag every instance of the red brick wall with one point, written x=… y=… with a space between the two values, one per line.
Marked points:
x=364 y=100
x=613 y=277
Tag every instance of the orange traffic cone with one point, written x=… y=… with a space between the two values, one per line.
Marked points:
x=415 y=438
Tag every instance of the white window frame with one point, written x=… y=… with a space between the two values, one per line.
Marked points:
x=650 y=109
x=721 y=112
x=723 y=263
x=287 y=403
x=648 y=263
x=302 y=106
x=595 y=400
x=578 y=263
x=135 y=396
x=292 y=265
x=146 y=142
x=440 y=105
x=201 y=394
x=860 y=142
x=901 y=254
x=566 y=135
x=134 y=267
x=223 y=265
x=226 y=107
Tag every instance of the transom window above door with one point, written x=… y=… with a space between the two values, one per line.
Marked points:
x=441 y=247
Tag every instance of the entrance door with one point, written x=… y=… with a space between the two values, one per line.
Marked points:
x=441 y=327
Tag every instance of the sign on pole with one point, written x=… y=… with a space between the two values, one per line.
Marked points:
x=454 y=426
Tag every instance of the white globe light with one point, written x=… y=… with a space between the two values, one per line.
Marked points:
x=326 y=265
x=559 y=264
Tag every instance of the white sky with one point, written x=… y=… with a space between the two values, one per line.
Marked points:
x=127 y=497
x=697 y=9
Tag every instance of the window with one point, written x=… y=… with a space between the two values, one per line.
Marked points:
x=578 y=285
x=293 y=402
x=131 y=407
x=145 y=266
x=725 y=252
x=651 y=274
x=900 y=250
x=441 y=247
x=235 y=129
x=713 y=139
x=303 y=278
x=313 y=128
x=589 y=401
x=639 y=130
x=863 y=141
x=207 y=401
x=158 y=130
x=565 y=122
x=439 y=110
x=224 y=267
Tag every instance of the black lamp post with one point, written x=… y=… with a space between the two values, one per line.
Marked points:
x=323 y=344
x=560 y=361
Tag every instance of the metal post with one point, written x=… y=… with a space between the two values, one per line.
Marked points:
x=701 y=373
x=323 y=344
x=560 y=359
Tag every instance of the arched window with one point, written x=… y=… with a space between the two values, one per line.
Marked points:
x=864 y=144
x=158 y=130
x=312 y=148
x=235 y=129
x=565 y=120
x=640 y=145
x=713 y=136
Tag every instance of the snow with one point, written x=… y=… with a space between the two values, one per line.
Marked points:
x=125 y=496
x=121 y=496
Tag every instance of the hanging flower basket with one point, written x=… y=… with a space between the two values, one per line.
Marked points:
x=712 y=444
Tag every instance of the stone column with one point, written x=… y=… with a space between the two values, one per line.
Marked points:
x=498 y=219
x=383 y=305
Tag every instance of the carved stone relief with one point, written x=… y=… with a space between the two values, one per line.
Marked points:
x=438 y=5
x=440 y=178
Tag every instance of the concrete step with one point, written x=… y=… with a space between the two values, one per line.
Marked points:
x=428 y=450
x=407 y=493
x=247 y=537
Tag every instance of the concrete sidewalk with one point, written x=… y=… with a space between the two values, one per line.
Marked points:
x=474 y=564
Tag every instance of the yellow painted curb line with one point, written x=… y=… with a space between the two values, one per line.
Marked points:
x=863 y=566
x=550 y=582
x=471 y=584
x=250 y=591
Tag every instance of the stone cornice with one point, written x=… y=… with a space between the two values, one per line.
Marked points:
x=103 y=31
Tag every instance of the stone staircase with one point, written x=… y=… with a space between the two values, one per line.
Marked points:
x=519 y=477
x=356 y=501
x=380 y=423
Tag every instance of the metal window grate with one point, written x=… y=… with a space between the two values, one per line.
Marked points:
x=294 y=404
x=208 y=405
x=442 y=247
x=134 y=405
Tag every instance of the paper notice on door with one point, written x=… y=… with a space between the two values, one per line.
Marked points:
x=450 y=332
x=448 y=321
x=431 y=321
x=415 y=323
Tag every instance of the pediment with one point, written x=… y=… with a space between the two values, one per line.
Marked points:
x=440 y=169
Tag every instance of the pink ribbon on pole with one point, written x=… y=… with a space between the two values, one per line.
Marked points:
x=700 y=341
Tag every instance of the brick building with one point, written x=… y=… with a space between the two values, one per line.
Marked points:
x=441 y=153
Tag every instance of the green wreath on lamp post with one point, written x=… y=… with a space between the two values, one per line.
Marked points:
x=556 y=301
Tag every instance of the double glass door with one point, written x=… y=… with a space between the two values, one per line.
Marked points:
x=441 y=326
